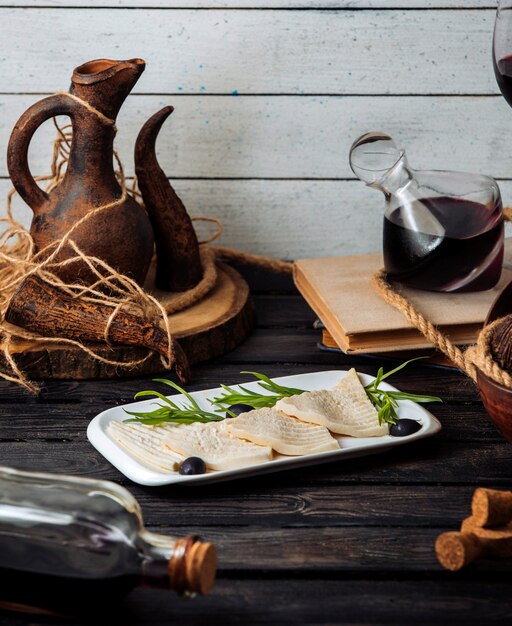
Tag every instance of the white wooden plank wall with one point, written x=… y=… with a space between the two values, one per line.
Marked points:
x=269 y=95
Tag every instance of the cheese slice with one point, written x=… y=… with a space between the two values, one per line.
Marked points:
x=345 y=410
x=145 y=443
x=212 y=443
x=284 y=434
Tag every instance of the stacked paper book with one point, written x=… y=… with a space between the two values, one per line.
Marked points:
x=357 y=320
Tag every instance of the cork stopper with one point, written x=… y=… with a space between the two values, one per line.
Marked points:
x=455 y=550
x=486 y=533
x=202 y=567
x=491 y=507
x=192 y=566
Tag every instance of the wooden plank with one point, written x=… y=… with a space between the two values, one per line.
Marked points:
x=29 y=421
x=283 y=311
x=345 y=599
x=285 y=358
x=432 y=461
x=284 y=219
x=316 y=601
x=454 y=388
x=308 y=506
x=354 y=602
x=347 y=549
x=300 y=346
x=313 y=5
x=258 y=503
x=279 y=352
x=297 y=137
x=263 y=282
x=334 y=52
x=262 y=216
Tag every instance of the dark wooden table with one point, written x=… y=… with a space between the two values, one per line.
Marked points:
x=342 y=543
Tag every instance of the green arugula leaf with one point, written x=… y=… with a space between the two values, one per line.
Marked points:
x=386 y=402
x=256 y=400
x=172 y=412
x=188 y=412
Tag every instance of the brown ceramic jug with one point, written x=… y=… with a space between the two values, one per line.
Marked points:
x=122 y=235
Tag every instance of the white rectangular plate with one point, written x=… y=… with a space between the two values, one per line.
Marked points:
x=349 y=446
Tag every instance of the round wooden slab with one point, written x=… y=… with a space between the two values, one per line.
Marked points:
x=210 y=328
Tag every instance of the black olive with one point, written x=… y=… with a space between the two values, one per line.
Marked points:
x=404 y=427
x=192 y=465
x=238 y=408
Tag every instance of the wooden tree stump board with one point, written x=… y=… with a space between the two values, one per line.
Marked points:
x=210 y=328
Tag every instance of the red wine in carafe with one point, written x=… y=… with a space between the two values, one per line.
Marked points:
x=463 y=253
x=435 y=238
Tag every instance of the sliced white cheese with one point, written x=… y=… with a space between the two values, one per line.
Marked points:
x=212 y=443
x=284 y=434
x=145 y=443
x=345 y=410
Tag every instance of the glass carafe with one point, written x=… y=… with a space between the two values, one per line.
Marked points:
x=443 y=231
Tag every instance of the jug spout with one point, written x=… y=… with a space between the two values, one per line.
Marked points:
x=105 y=83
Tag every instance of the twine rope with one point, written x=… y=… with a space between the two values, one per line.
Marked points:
x=478 y=356
x=419 y=321
x=106 y=120
x=256 y=260
x=19 y=261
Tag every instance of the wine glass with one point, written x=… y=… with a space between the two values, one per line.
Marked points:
x=502 y=49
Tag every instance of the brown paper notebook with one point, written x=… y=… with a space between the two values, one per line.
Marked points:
x=339 y=290
x=431 y=355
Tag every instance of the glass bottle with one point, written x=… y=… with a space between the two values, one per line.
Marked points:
x=443 y=231
x=69 y=544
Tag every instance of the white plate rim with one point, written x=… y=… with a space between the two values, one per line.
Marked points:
x=139 y=473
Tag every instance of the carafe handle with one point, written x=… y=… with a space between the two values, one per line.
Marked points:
x=21 y=136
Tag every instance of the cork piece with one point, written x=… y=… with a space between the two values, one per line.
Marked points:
x=456 y=549
x=201 y=567
x=471 y=525
x=496 y=541
x=491 y=507
x=192 y=566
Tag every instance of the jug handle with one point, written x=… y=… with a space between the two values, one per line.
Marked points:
x=21 y=136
